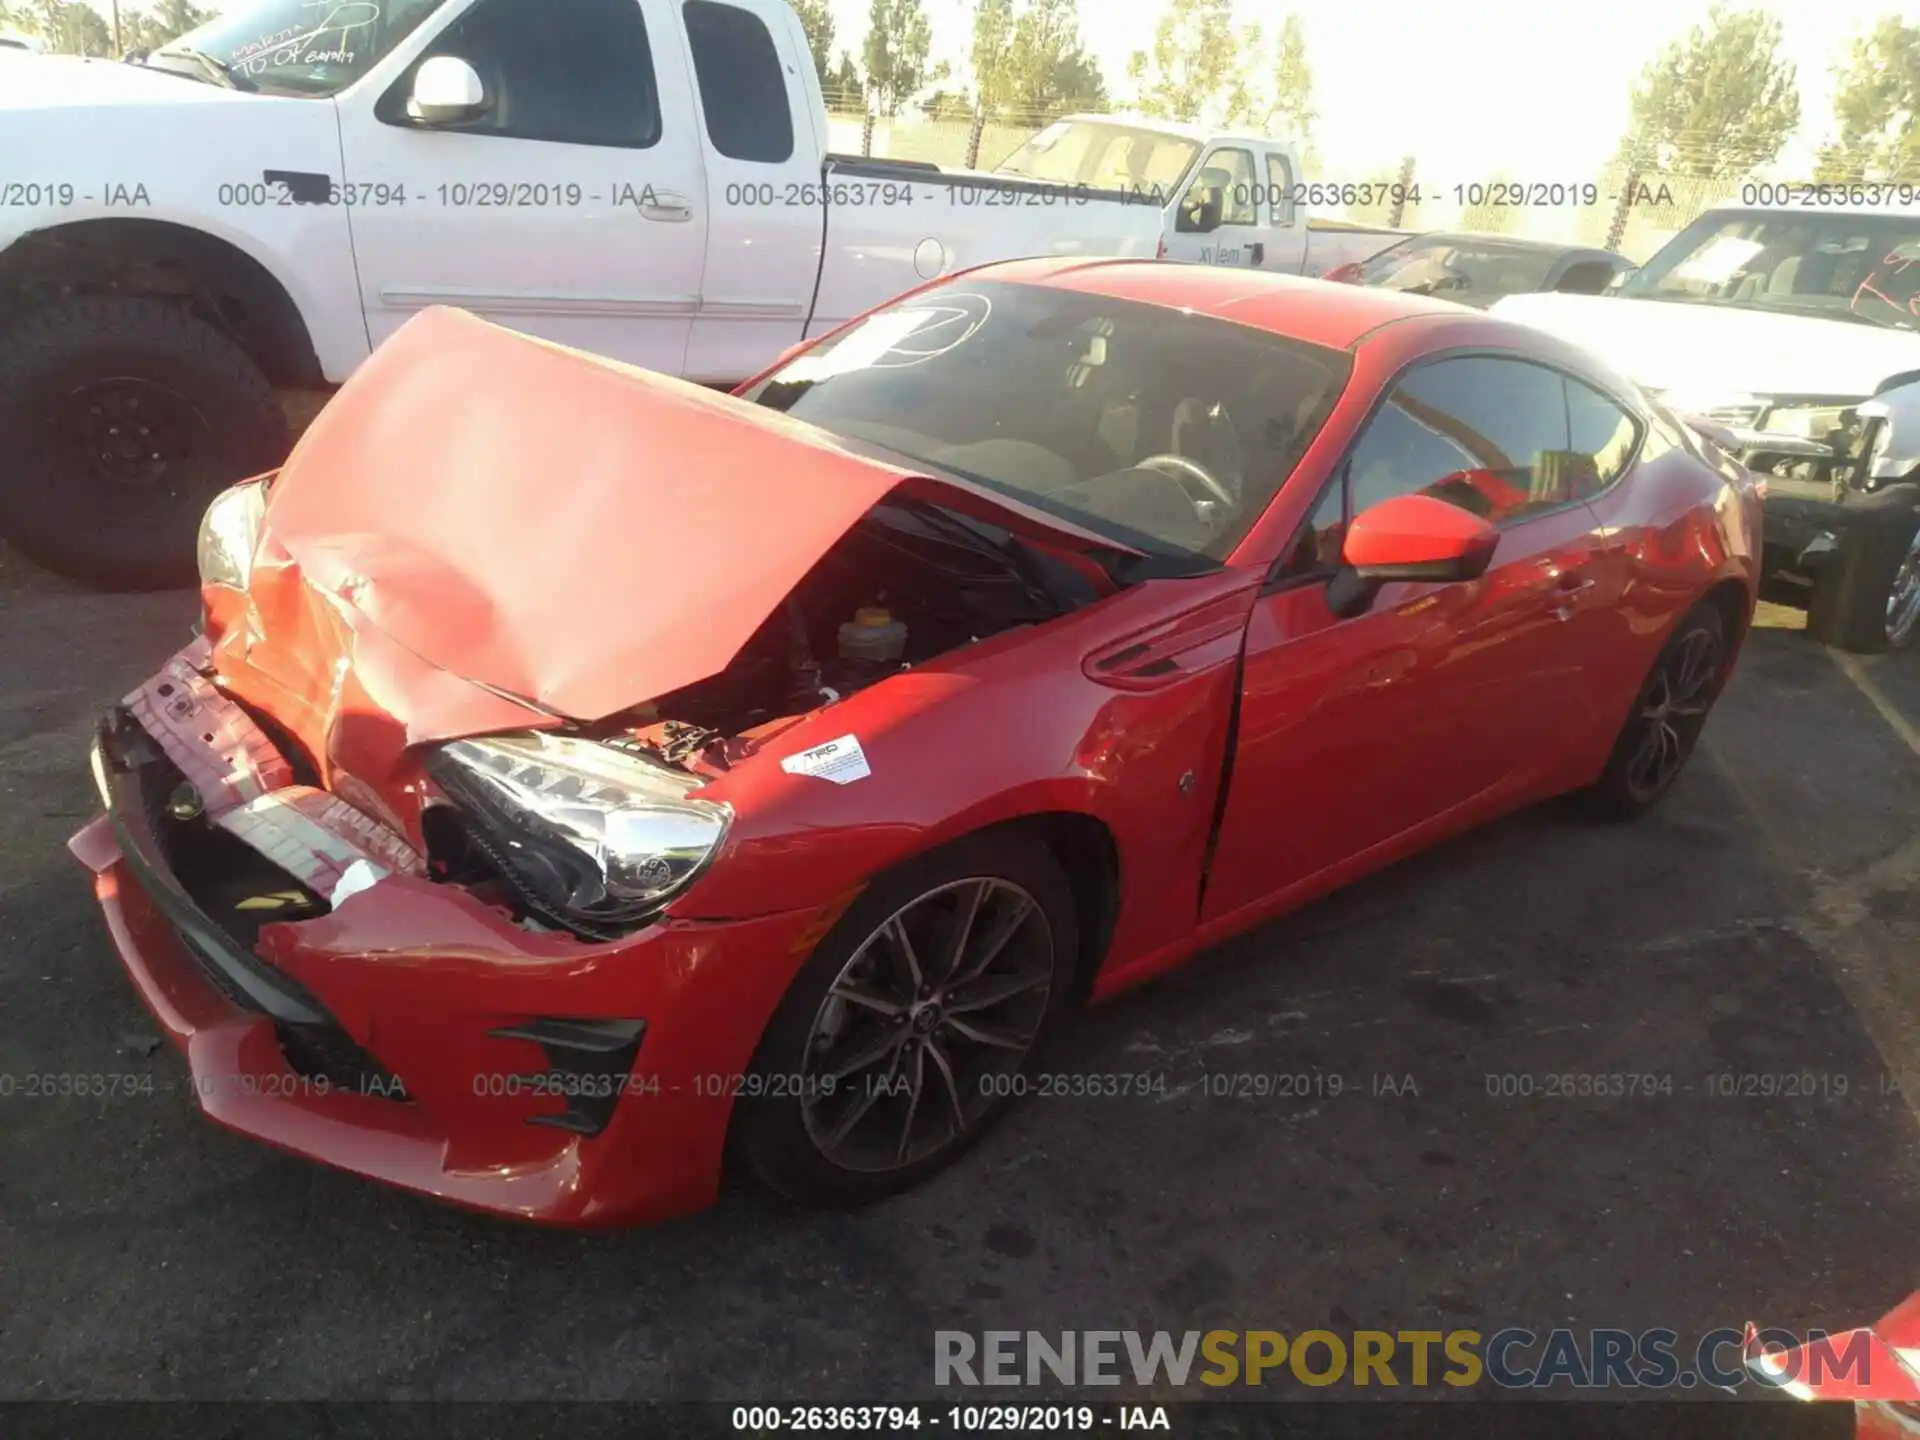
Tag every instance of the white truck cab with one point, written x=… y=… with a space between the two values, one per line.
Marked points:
x=1237 y=199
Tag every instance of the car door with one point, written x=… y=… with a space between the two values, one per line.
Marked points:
x=762 y=164
x=1240 y=234
x=571 y=207
x=1356 y=732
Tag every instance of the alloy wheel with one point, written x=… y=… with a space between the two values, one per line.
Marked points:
x=1672 y=710
x=1903 y=596
x=926 y=1025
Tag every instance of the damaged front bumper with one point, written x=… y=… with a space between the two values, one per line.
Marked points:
x=333 y=1000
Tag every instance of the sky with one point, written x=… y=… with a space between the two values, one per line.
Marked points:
x=1534 y=89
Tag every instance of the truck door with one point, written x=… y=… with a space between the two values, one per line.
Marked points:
x=751 y=66
x=566 y=201
x=1218 y=219
x=1286 y=240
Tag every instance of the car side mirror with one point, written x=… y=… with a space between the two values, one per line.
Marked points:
x=1410 y=537
x=446 y=90
x=1201 y=211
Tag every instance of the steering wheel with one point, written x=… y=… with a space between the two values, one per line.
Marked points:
x=1177 y=465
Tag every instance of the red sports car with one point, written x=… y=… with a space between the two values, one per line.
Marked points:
x=584 y=777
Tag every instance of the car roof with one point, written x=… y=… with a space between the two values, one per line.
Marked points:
x=1319 y=312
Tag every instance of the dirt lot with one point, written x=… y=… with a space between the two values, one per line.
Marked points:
x=1765 y=922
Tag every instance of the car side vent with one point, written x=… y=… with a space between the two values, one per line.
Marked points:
x=1195 y=642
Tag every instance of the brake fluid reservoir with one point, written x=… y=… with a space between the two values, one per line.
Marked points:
x=873 y=635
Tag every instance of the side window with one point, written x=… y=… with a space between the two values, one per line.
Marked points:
x=1488 y=435
x=1279 y=190
x=1318 y=548
x=574 y=72
x=1603 y=436
x=743 y=89
x=1232 y=172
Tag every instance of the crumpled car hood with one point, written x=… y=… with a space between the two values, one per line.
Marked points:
x=566 y=529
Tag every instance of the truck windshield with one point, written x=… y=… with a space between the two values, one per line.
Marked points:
x=1459 y=267
x=1157 y=428
x=1859 y=268
x=301 y=47
x=1103 y=156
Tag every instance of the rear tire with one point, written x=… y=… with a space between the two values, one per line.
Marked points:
x=1664 y=724
x=125 y=417
x=1868 y=598
x=942 y=1073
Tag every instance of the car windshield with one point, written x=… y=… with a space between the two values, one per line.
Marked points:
x=301 y=47
x=1458 y=267
x=1863 y=268
x=1103 y=157
x=1157 y=428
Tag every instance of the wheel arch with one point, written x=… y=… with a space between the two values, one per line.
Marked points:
x=215 y=278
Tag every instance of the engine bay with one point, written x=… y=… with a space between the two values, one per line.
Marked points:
x=911 y=582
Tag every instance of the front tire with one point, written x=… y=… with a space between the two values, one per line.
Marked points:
x=1666 y=720
x=1868 y=599
x=124 y=417
x=914 y=1025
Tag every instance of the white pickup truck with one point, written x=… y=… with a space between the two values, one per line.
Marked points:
x=262 y=201
x=1794 y=328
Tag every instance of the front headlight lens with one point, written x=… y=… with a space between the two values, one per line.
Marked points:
x=228 y=532
x=593 y=838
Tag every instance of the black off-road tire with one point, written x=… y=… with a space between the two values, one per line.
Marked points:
x=1848 y=607
x=1621 y=793
x=768 y=1134
x=215 y=422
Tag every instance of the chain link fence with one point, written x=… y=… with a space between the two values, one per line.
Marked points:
x=1616 y=208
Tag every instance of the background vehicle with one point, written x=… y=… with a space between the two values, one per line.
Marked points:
x=1795 y=328
x=1477 y=270
x=14 y=40
x=1245 y=198
x=999 y=651
x=268 y=197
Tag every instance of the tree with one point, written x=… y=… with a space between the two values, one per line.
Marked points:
x=898 y=38
x=816 y=18
x=846 y=90
x=1290 y=111
x=1718 y=104
x=1485 y=217
x=168 y=20
x=1877 y=102
x=70 y=27
x=1033 y=63
x=1204 y=66
x=1194 y=60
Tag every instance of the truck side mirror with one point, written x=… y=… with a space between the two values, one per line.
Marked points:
x=446 y=90
x=1201 y=211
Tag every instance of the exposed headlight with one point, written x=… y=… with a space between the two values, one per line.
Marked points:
x=593 y=838
x=228 y=532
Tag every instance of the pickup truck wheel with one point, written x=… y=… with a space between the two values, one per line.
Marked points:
x=126 y=417
x=1868 y=599
x=913 y=1026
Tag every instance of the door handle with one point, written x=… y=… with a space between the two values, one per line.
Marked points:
x=667 y=206
x=1569 y=589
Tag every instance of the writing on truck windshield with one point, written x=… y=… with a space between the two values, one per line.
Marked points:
x=303 y=47
x=1860 y=268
